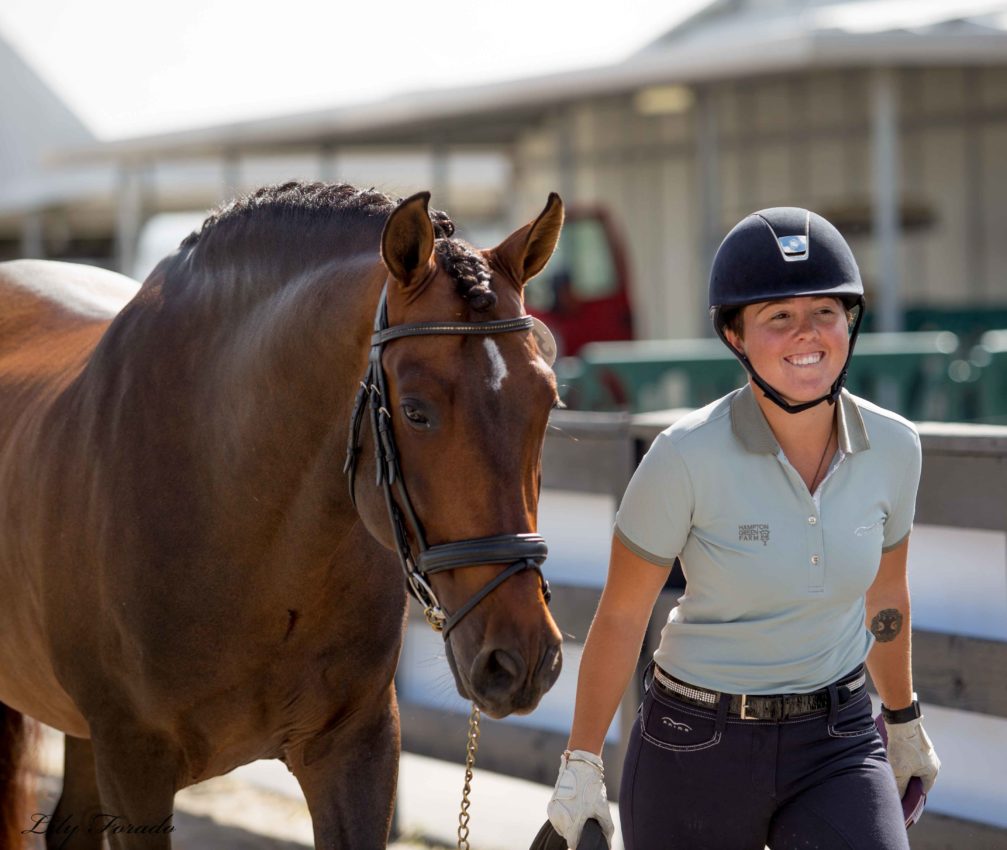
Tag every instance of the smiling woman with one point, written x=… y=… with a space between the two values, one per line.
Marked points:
x=789 y=504
x=788 y=271
x=799 y=345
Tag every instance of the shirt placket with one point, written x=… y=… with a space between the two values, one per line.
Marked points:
x=815 y=536
x=815 y=550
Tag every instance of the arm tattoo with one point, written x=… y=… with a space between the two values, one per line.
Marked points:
x=886 y=625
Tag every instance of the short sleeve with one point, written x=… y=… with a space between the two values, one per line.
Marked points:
x=899 y=522
x=655 y=516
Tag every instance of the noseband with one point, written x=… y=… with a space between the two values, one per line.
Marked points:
x=518 y=551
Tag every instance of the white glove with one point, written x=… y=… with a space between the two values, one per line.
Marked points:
x=911 y=753
x=580 y=795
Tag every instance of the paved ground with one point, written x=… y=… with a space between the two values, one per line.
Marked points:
x=228 y=814
x=255 y=808
x=260 y=807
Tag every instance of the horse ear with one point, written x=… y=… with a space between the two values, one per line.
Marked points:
x=407 y=241
x=526 y=251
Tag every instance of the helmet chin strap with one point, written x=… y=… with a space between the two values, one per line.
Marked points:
x=778 y=399
x=781 y=402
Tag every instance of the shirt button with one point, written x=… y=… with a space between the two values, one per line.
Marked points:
x=812 y=520
x=814 y=559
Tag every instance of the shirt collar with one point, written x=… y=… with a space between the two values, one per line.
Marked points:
x=752 y=430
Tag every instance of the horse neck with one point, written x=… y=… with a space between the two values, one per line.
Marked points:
x=286 y=379
x=235 y=423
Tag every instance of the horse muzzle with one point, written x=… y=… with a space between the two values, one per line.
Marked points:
x=507 y=675
x=500 y=679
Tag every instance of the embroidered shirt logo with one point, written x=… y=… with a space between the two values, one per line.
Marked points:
x=867 y=529
x=754 y=533
x=674 y=724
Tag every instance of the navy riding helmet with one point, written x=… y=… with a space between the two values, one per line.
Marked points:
x=778 y=253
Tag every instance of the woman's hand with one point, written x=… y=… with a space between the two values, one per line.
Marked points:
x=911 y=753
x=580 y=795
x=607 y=664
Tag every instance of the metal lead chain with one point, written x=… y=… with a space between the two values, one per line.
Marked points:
x=471 y=749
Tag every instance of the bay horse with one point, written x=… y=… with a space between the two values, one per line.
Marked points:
x=188 y=583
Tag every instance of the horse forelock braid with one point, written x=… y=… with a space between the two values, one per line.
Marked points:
x=471 y=273
x=444 y=227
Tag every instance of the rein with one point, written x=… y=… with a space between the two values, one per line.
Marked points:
x=518 y=551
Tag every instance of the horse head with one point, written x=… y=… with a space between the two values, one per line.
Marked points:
x=467 y=399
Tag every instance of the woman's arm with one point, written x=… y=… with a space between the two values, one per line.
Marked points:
x=910 y=750
x=613 y=644
x=890 y=659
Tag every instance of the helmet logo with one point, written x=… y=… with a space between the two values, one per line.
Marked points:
x=794 y=248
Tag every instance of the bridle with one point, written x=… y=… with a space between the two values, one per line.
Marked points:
x=518 y=551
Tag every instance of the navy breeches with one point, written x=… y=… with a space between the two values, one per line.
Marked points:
x=700 y=779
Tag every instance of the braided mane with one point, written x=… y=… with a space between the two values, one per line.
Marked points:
x=296 y=200
x=297 y=207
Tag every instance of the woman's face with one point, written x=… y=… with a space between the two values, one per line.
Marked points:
x=797 y=345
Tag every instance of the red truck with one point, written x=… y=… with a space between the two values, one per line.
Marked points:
x=583 y=293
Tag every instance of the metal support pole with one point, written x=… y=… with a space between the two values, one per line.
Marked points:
x=513 y=207
x=440 y=175
x=708 y=168
x=975 y=191
x=129 y=217
x=33 y=235
x=231 y=174
x=566 y=157
x=885 y=201
x=328 y=165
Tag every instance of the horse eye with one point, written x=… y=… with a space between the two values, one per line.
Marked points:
x=414 y=416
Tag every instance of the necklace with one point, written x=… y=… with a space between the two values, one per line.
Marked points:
x=818 y=470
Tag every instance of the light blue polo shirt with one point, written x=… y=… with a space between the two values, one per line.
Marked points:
x=776 y=576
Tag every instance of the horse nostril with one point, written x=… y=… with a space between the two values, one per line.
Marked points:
x=503 y=664
x=498 y=671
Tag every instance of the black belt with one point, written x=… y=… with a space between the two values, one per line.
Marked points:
x=775 y=707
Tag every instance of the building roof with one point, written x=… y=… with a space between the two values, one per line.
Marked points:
x=727 y=39
x=847 y=32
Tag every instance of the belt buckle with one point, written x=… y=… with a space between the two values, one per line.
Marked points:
x=744 y=709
